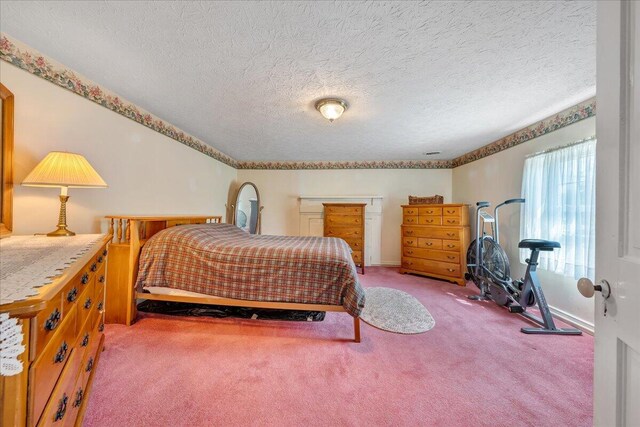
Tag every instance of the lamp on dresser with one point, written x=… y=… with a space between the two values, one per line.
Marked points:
x=64 y=170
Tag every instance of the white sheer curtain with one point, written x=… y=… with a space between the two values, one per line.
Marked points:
x=559 y=188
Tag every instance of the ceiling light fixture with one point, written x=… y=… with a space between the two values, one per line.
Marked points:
x=331 y=108
x=431 y=153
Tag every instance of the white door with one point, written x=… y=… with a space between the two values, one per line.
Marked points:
x=617 y=334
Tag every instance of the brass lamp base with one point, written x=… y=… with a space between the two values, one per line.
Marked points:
x=62 y=220
x=61 y=231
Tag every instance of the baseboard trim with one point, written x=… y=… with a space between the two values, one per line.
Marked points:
x=387 y=264
x=574 y=321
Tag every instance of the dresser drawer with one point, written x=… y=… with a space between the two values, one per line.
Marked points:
x=410 y=220
x=452 y=211
x=410 y=241
x=435 y=255
x=89 y=361
x=343 y=232
x=409 y=211
x=86 y=305
x=57 y=411
x=429 y=211
x=433 y=232
x=451 y=220
x=343 y=210
x=343 y=220
x=355 y=244
x=357 y=256
x=70 y=294
x=424 y=242
x=47 y=323
x=75 y=401
x=429 y=220
x=451 y=245
x=431 y=266
x=44 y=372
x=101 y=257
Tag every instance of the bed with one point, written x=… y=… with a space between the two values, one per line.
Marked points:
x=215 y=263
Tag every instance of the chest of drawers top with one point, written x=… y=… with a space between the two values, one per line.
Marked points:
x=445 y=214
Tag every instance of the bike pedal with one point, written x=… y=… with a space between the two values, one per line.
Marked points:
x=516 y=309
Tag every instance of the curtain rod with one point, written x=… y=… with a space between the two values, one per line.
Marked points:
x=582 y=141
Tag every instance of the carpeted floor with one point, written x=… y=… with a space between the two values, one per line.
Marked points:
x=474 y=368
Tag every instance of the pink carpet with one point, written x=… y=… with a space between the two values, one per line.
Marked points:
x=474 y=368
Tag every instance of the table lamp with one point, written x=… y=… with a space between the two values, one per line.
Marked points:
x=64 y=170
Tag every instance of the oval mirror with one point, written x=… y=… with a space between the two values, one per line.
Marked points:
x=246 y=214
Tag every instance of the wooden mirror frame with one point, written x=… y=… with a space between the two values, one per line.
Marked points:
x=235 y=206
x=6 y=213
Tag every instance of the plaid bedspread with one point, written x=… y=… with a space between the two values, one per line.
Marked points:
x=224 y=261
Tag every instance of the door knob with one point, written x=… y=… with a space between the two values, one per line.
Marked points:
x=588 y=289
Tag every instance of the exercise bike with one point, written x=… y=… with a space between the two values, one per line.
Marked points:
x=488 y=268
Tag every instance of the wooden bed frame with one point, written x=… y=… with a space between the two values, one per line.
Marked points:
x=130 y=233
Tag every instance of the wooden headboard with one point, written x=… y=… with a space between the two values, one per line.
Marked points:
x=6 y=162
x=130 y=232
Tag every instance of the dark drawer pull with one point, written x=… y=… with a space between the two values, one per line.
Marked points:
x=450 y=257
x=451 y=270
x=94 y=267
x=52 y=322
x=85 y=279
x=101 y=279
x=72 y=295
x=79 y=397
x=85 y=340
x=410 y=252
x=104 y=253
x=89 y=365
x=62 y=408
x=451 y=246
x=429 y=244
x=100 y=306
x=87 y=303
x=101 y=327
x=61 y=354
x=451 y=234
x=410 y=242
x=100 y=259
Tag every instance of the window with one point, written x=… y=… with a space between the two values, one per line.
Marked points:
x=559 y=188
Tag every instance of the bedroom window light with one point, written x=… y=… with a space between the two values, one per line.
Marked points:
x=559 y=186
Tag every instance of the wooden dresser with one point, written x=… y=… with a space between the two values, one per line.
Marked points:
x=346 y=221
x=63 y=335
x=435 y=239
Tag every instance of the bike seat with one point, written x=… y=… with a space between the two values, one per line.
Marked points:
x=542 y=245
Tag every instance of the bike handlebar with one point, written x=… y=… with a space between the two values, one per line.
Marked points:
x=483 y=204
x=508 y=202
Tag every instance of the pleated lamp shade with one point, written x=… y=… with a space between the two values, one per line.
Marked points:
x=60 y=169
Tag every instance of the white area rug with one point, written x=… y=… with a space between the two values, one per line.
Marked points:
x=395 y=311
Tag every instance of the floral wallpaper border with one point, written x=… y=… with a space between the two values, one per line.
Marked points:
x=567 y=117
x=382 y=164
x=32 y=61
x=37 y=64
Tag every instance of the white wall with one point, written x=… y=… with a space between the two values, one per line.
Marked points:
x=147 y=173
x=499 y=177
x=279 y=192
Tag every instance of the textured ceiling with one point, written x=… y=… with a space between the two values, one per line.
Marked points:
x=243 y=76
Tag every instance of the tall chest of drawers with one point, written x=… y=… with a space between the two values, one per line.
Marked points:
x=435 y=239
x=63 y=335
x=346 y=221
